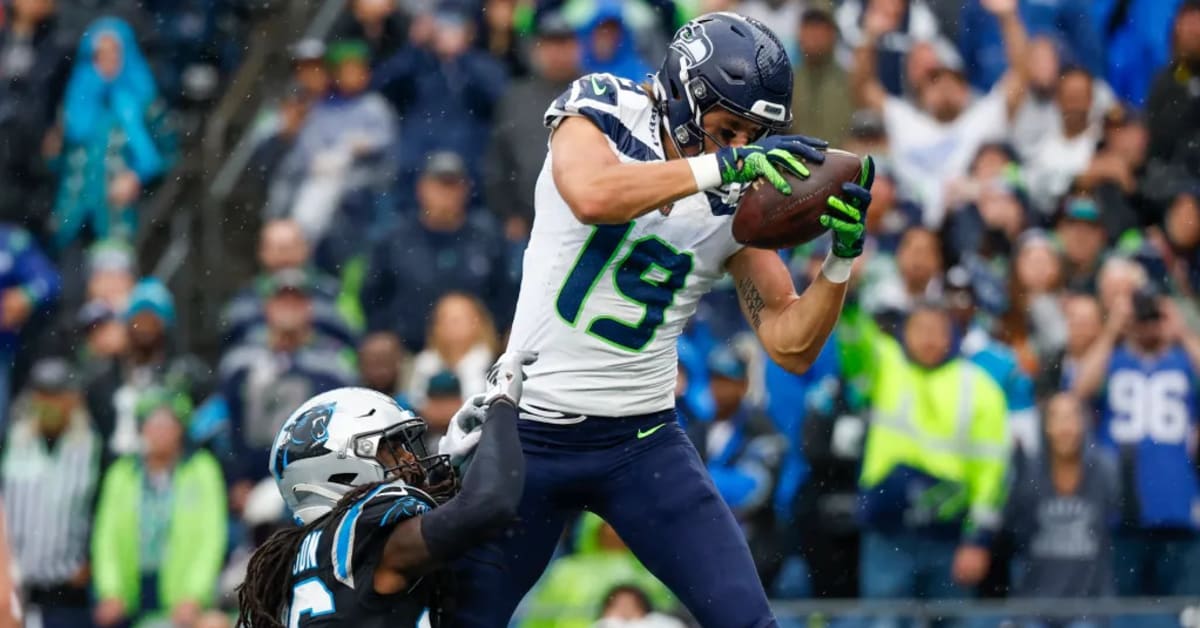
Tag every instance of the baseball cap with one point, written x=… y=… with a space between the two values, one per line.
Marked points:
x=1081 y=208
x=52 y=375
x=348 y=50
x=288 y=279
x=553 y=25
x=725 y=362
x=444 y=384
x=308 y=49
x=152 y=295
x=111 y=255
x=445 y=164
x=156 y=398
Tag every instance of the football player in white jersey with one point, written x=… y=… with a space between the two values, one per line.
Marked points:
x=632 y=226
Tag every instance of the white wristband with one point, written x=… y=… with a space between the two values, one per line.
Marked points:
x=837 y=269
x=706 y=171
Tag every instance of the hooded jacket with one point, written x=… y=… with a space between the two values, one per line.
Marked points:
x=109 y=123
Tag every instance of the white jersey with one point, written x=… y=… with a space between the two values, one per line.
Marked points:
x=604 y=305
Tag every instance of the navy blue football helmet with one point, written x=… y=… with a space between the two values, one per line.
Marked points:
x=727 y=60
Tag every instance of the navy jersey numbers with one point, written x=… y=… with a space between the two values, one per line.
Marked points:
x=649 y=275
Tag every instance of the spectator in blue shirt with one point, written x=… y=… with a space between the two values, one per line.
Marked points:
x=341 y=156
x=1142 y=373
x=445 y=92
x=273 y=373
x=29 y=285
x=1068 y=21
x=742 y=453
x=1137 y=36
x=282 y=245
x=442 y=248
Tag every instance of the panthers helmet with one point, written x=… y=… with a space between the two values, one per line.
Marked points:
x=332 y=443
x=723 y=59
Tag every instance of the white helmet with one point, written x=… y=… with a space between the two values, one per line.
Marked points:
x=331 y=444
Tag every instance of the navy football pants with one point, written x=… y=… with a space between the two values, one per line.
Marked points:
x=656 y=494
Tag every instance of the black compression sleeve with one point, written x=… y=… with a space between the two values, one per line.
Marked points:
x=491 y=490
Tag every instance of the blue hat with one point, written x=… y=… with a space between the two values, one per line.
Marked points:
x=152 y=295
x=1081 y=208
x=444 y=384
x=725 y=362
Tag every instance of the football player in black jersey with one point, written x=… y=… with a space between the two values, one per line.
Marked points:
x=378 y=516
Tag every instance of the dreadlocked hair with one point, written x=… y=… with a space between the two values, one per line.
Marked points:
x=264 y=594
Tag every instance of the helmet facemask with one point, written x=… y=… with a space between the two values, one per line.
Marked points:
x=401 y=450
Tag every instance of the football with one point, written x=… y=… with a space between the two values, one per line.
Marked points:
x=767 y=219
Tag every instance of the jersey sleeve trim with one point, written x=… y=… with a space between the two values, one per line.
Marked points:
x=344 y=541
x=596 y=97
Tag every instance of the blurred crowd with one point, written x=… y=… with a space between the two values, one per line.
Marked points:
x=1007 y=408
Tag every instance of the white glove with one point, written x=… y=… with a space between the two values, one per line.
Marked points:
x=466 y=426
x=464 y=432
x=507 y=376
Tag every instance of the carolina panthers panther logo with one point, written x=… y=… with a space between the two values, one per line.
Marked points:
x=303 y=437
x=312 y=427
x=692 y=43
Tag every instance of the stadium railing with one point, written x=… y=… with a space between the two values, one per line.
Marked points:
x=926 y=614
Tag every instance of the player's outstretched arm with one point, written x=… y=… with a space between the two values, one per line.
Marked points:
x=490 y=495
x=793 y=328
x=600 y=189
x=487 y=502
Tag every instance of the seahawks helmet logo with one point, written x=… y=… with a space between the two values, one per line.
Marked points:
x=693 y=44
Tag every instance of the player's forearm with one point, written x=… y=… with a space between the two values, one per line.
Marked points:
x=797 y=335
x=619 y=193
x=491 y=490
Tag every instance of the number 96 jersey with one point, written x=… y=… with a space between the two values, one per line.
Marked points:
x=1149 y=415
x=604 y=305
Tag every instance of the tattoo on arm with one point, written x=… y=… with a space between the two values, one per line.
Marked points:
x=752 y=299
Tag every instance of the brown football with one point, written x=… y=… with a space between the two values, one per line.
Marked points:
x=767 y=219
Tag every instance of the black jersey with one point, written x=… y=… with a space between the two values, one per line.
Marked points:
x=332 y=576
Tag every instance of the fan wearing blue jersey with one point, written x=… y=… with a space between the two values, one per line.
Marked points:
x=1146 y=388
x=632 y=225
